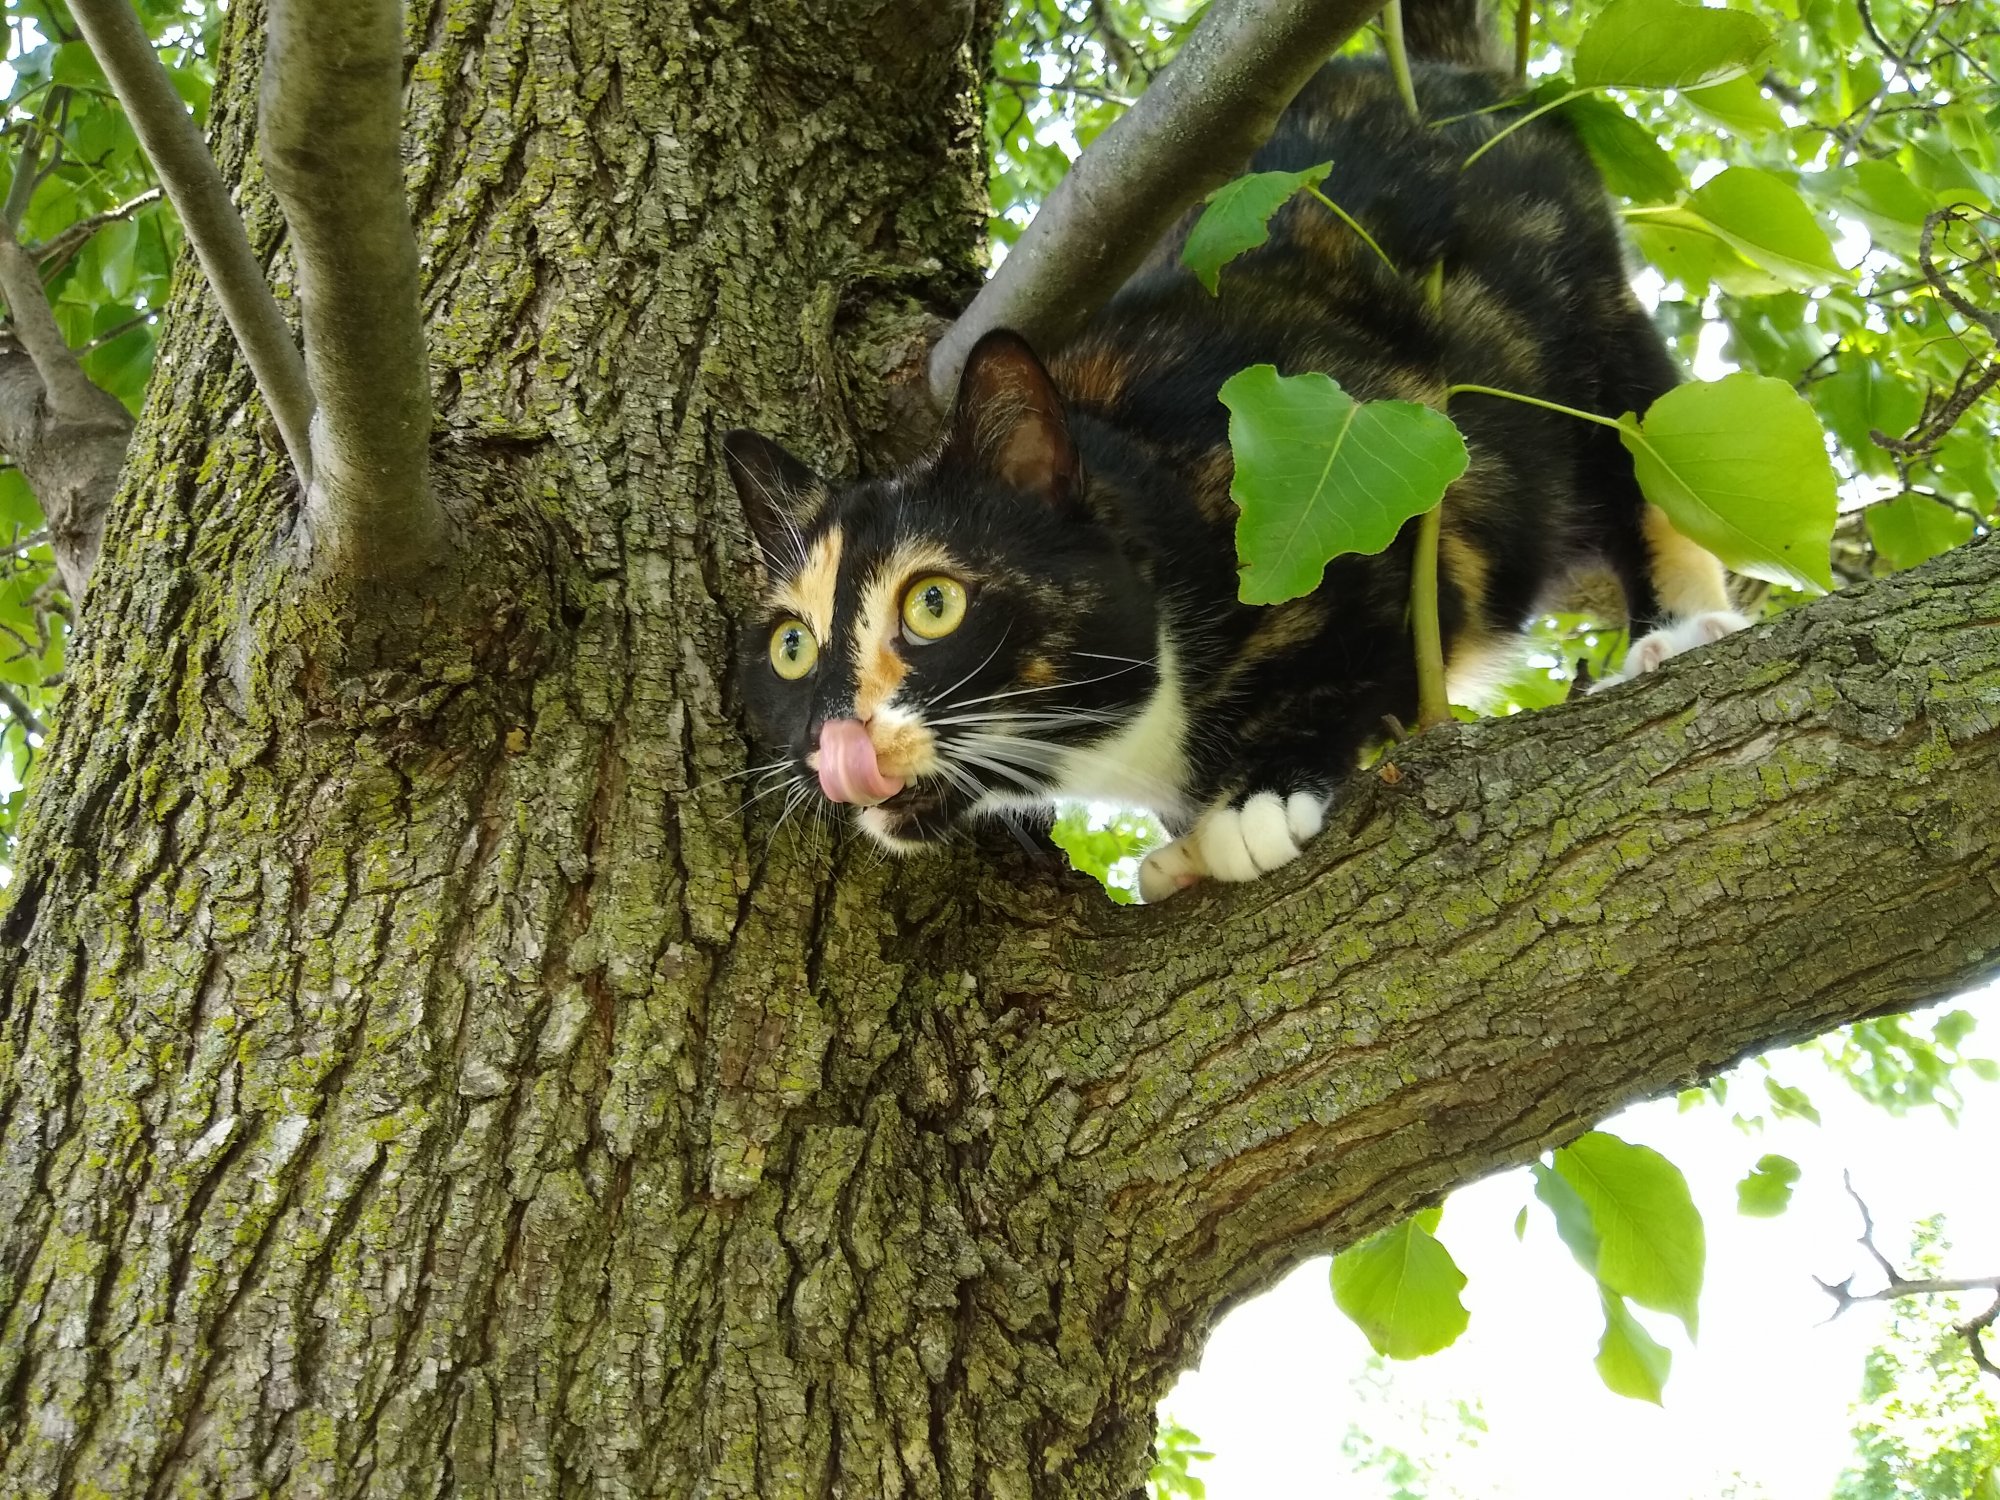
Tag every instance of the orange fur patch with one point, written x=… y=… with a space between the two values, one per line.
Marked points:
x=808 y=593
x=879 y=666
x=1686 y=576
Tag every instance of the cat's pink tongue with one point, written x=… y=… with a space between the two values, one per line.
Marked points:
x=847 y=769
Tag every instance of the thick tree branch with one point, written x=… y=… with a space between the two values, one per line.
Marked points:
x=331 y=131
x=180 y=158
x=1192 y=130
x=1542 y=919
x=70 y=391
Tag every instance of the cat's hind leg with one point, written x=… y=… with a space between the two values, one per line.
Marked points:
x=1690 y=596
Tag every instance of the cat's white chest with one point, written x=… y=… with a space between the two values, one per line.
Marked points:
x=1144 y=764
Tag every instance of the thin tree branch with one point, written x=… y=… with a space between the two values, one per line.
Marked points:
x=21 y=713
x=1193 y=129
x=1974 y=1329
x=27 y=175
x=180 y=158
x=331 y=132
x=73 y=237
x=1897 y=1286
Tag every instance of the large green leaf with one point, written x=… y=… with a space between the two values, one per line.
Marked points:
x=1238 y=218
x=1912 y=529
x=1650 y=1242
x=1739 y=465
x=1631 y=1361
x=1658 y=44
x=1763 y=216
x=1401 y=1289
x=1319 y=474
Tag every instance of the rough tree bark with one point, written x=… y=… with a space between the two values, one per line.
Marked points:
x=419 y=1074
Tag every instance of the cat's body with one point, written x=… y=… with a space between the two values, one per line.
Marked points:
x=1095 y=646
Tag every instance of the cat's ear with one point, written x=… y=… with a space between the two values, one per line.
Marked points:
x=779 y=494
x=1008 y=421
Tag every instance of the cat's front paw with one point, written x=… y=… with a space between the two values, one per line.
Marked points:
x=1661 y=645
x=1234 y=843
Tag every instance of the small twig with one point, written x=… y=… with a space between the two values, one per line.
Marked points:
x=1973 y=1329
x=1081 y=91
x=23 y=715
x=118 y=331
x=1958 y=302
x=180 y=158
x=1189 y=133
x=1899 y=1286
x=330 y=127
x=1121 y=54
x=73 y=237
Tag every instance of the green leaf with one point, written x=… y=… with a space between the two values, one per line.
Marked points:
x=1913 y=529
x=76 y=67
x=1572 y=1215
x=1238 y=218
x=1739 y=465
x=1657 y=44
x=1401 y=1289
x=1860 y=398
x=1521 y=1223
x=1767 y=1191
x=1953 y=1027
x=1651 y=1246
x=1738 y=105
x=1790 y=1101
x=18 y=505
x=1630 y=1360
x=1881 y=192
x=1628 y=155
x=1319 y=474
x=1763 y=216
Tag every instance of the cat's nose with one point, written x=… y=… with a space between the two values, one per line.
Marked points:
x=847 y=768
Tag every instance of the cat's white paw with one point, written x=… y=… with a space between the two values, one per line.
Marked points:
x=1670 y=641
x=1234 y=843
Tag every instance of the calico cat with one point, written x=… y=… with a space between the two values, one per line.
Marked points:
x=1047 y=607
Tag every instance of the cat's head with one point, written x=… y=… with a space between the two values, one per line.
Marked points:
x=948 y=638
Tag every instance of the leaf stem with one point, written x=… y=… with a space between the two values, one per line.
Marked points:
x=1524 y=30
x=1433 y=701
x=1399 y=57
x=1354 y=224
x=1568 y=411
x=1513 y=125
x=1433 y=704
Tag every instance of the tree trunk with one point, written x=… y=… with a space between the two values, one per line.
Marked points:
x=428 y=1078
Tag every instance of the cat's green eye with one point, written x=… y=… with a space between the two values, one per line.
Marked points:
x=933 y=607
x=793 y=650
